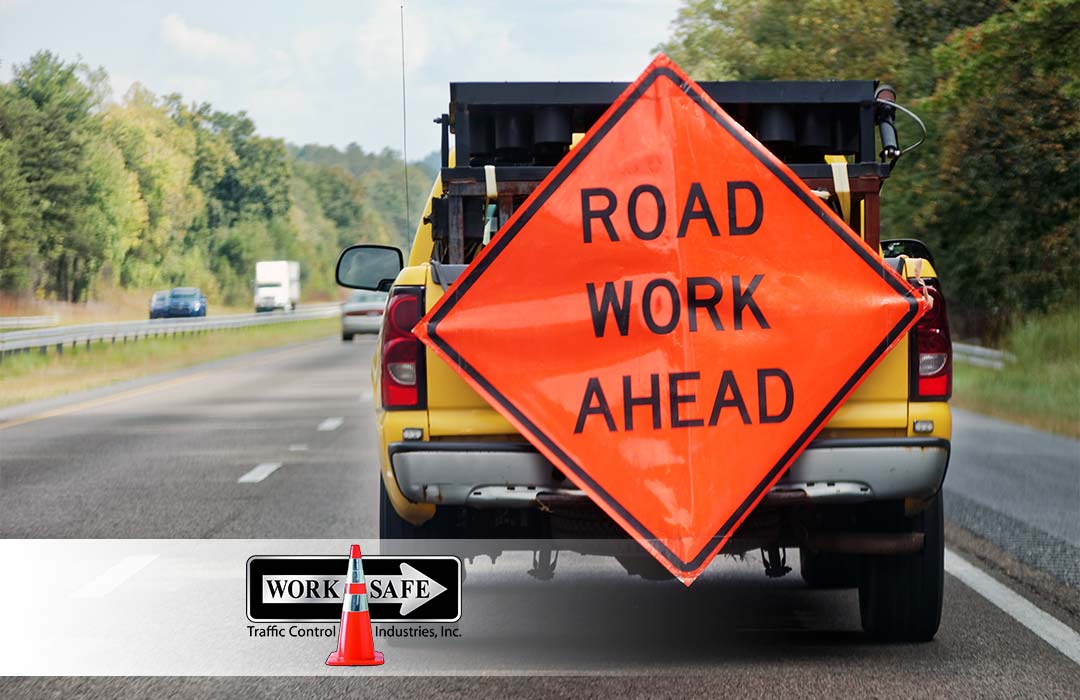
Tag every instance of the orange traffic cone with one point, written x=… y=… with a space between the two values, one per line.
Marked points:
x=355 y=647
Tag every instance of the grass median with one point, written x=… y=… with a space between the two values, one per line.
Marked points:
x=32 y=377
x=1041 y=388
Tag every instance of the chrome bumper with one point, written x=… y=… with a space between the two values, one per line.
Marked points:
x=478 y=474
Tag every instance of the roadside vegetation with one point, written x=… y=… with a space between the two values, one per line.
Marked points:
x=149 y=192
x=32 y=376
x=1042 y=387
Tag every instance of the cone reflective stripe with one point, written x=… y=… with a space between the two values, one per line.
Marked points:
x=357 y=596
x=355 y=646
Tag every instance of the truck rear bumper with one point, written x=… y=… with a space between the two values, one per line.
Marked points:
x=486 y=474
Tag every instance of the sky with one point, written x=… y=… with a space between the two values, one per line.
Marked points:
x=329 y=72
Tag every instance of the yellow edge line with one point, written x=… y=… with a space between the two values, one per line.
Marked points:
x=131 y=393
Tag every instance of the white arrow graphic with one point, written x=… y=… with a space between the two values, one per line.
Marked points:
x=412 y=589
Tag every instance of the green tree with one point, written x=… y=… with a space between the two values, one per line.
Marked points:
x=161 y=153
x=214 y=156
x=785 y=39
x=923 y=25
x=19 y=215
x=54 y=136
x=16 y=242
x=339 y=193
x=257 y=183
x=111 y=221
x=1005 y=213
x=381 y=178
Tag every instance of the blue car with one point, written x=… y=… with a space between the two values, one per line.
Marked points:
x=159 y=304
x=185 y=302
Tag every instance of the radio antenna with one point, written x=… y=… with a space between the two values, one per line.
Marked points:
x=404 y=123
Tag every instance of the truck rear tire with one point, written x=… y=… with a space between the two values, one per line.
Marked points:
x=900 y=596
x=347 y=337
x=823 y=571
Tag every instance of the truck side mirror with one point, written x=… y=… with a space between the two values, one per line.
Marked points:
x=373 y=267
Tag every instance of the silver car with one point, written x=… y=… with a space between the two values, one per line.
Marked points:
x=362 y=312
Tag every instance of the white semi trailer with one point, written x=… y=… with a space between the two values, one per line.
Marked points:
x=277 y=285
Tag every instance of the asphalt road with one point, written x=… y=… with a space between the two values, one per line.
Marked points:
x=279 y=445
x=1019 y=488
x=163 y=461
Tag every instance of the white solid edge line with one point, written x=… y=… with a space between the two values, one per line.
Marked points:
x=260 y=472
x=109 y=581
x=1048 y=628
x=331 y=424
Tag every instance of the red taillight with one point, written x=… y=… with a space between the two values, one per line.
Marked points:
x=402 y=353
x=931 y=351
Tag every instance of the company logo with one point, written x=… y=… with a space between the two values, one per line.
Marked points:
x=308 y=589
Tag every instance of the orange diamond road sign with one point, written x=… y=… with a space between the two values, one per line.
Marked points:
x=671 y=318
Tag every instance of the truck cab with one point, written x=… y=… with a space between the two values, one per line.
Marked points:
x=862 y=503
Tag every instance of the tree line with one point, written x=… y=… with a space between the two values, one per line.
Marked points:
x=150 y=191
x=995 y=190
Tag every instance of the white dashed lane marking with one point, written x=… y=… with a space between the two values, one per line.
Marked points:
x=298 y=448
x=331 y=424
x=259 y=473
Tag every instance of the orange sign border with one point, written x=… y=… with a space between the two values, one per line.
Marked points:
x=662 y=67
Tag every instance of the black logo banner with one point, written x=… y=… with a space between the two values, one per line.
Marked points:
x=309 y=588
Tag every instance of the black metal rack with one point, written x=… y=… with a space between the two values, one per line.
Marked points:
x=524 y=129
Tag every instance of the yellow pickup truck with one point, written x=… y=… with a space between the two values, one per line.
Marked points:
x=862 y=504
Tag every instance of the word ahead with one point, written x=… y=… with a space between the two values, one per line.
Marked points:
x=680 y=398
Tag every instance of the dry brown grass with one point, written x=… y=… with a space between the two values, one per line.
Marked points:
x=108 y=305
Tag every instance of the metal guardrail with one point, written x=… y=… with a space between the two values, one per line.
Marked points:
x=58 y=338
x=125 y=331
x=28 y=321
x=981 y=357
